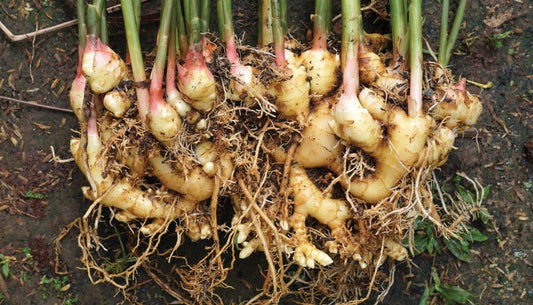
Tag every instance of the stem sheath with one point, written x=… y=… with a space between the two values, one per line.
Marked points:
x=162 y=48
x=173 y=46
x=224 y=7
x=194 y=23
x=283 y=15
x=220 y=19
x=328 y=18
x=93 y=20
x=265 y=34
x=205 y=15
x=443 y=33
x=398 y=26
x=104 y=35
x=137 y=11
x=279 y=37
x=455 y=30
x=351 y=13
x=82 y=25
x=134 y=48
x=320 y=29
x=182 y=31
x=415 y=58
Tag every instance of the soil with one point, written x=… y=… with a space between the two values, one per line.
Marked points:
x=40 y=191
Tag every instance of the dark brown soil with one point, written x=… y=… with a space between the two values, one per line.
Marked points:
x=40 y=197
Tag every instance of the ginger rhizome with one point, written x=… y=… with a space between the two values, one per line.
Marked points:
x=315 y=158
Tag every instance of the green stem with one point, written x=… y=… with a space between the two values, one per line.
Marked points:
x=194 y=21
x=100 y=6
x=134 y=48
x=93 y=21
x=82 y=25
x=173 y=48
x=279 y=37
x=320 y=24
x=205 y=15
x=163 y=37
x=121 y=243
x=443 y=34
x=351 y=27
x=173 y=43
x=398 y=26
x=132 y=37
x=455 y=30
x=351 y=13
x=156 y=86
x=187 y=14
x=104 y=35
x=327 y=17
x=137 y=10
x=229 y=33
x=265 y=33
x=404 y=44
x=227 y=18
x=404 y=47
x=405 y=7
x=182 y=32
x=220 y=19
x=415 y=58
x=283 y=15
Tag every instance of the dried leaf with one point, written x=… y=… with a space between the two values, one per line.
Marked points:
x=65 y=288
x=11 y=81
x=496 y=21
x=42 y=126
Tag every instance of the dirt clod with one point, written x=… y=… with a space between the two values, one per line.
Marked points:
x=40 y=251
x=528 y=148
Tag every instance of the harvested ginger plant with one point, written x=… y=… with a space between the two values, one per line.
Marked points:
x=321 y=161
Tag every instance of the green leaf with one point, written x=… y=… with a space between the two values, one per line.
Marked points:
x=421 y=242
x=429 y=231
x=430 y=245
x=484 y=215
x=425 y=296
x=457 y=179
x=465 y=245
x=30 y=194
x=459 y=248
x=476 y=235
x=467 y=196
x=5 y=269
x=418 y=223
x=436 y=246
x=27 y=252
x=496 y=40
x=423 y=224
x=435 y=276
x=71 y=301
x=453 y=294
x=425 y=236
x=486 y=190
x=45 y=280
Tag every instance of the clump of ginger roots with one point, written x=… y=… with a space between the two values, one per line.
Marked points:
x=365 y=145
